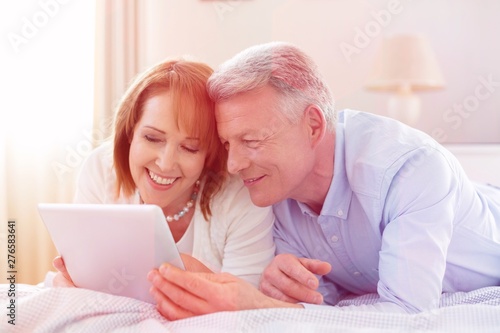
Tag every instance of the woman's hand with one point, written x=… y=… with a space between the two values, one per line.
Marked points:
x=62 y=278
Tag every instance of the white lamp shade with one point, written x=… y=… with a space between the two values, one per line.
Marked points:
x=405 y=62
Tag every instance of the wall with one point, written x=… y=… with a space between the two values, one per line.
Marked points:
x=480 y=162
x=462 y=33
x=47 y=100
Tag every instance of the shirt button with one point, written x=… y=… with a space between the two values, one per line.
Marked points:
x=334 y=239
x=356 y=273
x=340 y=212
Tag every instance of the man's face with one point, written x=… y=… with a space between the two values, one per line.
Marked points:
x=270 y=154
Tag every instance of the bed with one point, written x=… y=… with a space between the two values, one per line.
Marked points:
x=72 y=310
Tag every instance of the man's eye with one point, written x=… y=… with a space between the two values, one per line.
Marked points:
x=251 y=143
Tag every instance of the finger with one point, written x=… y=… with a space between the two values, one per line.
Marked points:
x=273 y=277
x=293 y=268
x=58 y=264
x=187 y=298
x=288 y=279
x=60 y=281
x=167 y=308
x=193 y=265
x=294 y=292
x=213 y=292
x=316 y=266
x=271 y=291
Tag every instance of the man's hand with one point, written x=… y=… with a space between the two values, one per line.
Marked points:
x=291 y=279
x=194 y=265
x=62 y=278
x=181 y=294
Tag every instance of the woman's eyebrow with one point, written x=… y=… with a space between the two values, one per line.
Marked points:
x=154 y=128
x=190 y=138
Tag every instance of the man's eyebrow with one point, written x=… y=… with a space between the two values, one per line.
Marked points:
x=237 y=136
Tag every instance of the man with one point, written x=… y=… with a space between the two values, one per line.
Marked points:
x=364 y=202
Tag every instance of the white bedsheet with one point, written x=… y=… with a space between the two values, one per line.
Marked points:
x=77 y=310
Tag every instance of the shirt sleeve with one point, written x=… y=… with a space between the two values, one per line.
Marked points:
x=419 y=207
x=283 y=245
x=91 y=182
x=422 y=194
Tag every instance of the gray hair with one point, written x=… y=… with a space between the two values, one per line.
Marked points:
x=282 y=66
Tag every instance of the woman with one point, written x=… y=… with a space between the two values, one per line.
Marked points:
x=166 y=151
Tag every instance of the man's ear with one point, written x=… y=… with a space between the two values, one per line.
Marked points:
x=316 y=124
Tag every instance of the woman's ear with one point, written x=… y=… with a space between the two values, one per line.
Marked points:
x=316 y=124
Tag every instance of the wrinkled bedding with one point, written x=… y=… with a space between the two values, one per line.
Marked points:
x=78 y=310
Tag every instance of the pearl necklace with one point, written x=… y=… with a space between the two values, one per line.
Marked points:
x=188 y=206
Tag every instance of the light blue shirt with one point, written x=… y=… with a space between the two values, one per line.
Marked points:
x=401 y=219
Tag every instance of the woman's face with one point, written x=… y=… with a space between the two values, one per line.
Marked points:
x=164 y=160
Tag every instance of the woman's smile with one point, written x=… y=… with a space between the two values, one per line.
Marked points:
x=161 y=180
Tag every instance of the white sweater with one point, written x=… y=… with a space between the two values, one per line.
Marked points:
x=237 y=239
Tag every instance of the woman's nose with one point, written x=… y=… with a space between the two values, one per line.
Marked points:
x=167 y=158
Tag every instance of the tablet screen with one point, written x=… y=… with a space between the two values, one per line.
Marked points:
x=110 y=247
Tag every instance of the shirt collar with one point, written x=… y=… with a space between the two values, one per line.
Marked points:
x=338 y=198
x=339 y=195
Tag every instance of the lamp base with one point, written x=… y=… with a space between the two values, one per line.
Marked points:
x=405 y=108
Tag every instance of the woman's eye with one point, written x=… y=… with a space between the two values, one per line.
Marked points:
x=151 y=138
x=191 y=149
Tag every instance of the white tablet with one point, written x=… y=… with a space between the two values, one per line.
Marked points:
x=110 y=247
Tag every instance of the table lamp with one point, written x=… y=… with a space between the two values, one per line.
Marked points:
x=405 y=64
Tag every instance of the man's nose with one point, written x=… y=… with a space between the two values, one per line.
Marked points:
x=236 y=160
